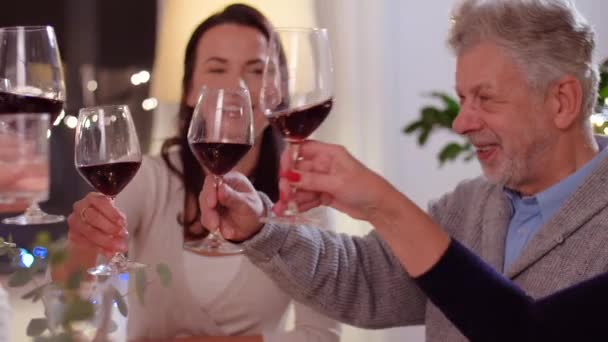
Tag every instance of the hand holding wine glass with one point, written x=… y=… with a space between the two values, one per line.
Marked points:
x=107 y=155
x=297 y=92
x=220 y=134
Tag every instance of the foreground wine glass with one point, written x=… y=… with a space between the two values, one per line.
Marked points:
x=297 y=92
x=107 y=155
x=220 y=134
x=32 y=84
x=82 y=315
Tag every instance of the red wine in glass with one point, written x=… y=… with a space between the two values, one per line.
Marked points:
x=299 y=123
x=31 y=83
x=109 y=178
x=220 y=135
x=297 y=93
x=11 y=103
x=107 y=154
x=219 y=158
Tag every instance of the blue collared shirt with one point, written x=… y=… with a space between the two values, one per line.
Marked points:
x=531 y=212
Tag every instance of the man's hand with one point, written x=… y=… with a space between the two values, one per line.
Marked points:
x=240 y=207
x=328 y=175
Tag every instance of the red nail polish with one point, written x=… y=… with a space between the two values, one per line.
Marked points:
x=293 y=176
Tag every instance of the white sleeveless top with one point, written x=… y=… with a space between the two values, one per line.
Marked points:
x=205 y=292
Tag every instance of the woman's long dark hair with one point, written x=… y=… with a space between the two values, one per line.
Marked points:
x=265 y=176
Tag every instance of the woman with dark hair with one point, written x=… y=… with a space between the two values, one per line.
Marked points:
x=210 y=295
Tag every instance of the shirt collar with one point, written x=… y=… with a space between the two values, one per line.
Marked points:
x=551 y=199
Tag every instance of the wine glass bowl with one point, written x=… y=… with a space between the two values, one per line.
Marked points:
x=220 y=135
x=31 y=84
x=297 y=92
x=107 y=155
x=24 y=160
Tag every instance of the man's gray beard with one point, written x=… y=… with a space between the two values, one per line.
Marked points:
x=506 y=175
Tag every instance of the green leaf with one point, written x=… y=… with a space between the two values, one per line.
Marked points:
x=449 y=152
x=7 y=247
x=423 y=137
x=43 y=239
x=78 y=310
x=35 y=294
x=445 y=119
x=164 y=273
x=429 y=115
x=38 y=265
x=451 y=105
x=604 y=92
x=21 y=277
x=120 y=301
x=13 y=253
x=36 y=327
x=140 y=284
x=74 y=280
x=409 y=129
x=63 y=337
x=57 y=257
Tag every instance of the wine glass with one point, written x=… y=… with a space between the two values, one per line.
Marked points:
x=297 y=92
x=82 y=315
x=220 y=134
x=107 y=156
x=31 y=83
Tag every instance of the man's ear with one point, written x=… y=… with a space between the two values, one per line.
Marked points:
x=564 y=99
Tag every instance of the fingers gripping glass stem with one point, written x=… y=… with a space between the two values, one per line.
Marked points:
x=214 y=243
x=220 y=135
x=216 y=234
x=118 y=264
x=292 y=205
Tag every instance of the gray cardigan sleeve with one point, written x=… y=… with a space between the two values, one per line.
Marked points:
x=356 y=280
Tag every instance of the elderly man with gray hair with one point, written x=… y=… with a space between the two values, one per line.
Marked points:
x=527 y=85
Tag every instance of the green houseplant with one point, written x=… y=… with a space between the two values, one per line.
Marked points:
x=436 y=118
x=76 y=307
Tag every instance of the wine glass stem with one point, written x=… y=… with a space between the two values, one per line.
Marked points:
x=118 y=257
x=34 y=210
x=216 y=234
x=106 y=312
x=292 y=206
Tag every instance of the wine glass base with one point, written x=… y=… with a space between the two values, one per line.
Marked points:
x=212 y=247
x=26 y=220
x=291 y=220
x=115 y=268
